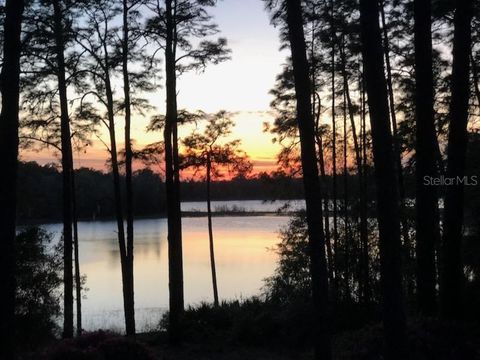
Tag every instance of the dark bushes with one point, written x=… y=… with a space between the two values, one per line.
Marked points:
x=98 y=345
x=38 y=273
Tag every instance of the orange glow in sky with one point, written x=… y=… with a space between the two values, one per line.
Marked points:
x=249 y=128
x=239 y=86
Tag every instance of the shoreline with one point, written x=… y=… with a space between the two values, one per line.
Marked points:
x=185 y=214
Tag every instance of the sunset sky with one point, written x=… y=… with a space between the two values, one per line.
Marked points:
x=240 y=85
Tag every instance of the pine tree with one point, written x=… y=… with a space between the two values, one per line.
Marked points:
x=10 y=91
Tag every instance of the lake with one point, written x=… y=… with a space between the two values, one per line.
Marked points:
x=243 y=257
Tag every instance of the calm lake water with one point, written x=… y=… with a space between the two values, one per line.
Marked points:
x=243 y=257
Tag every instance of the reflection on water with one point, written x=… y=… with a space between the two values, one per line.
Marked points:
x=241 y=250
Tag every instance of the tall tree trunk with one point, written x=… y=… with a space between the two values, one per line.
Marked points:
x=358 y=161
x=175 y=261
x=130 y=310
x=67 y=172
x=397 y=153
x=210 y=233
x=391 y=101
x=323 y=175
x=346 y=235
x=117 y=188
x=76 y=252
x=365 y=256
x=426 y=205
x=176 y=158
x=318 y=267
x=10 y=94
x=351 y=114
x=386 y=182
x=326 y=215
x=452 y=277
x=334 y=150
x=316 y=113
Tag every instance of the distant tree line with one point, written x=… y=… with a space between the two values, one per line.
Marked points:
x=39 y=195
x=39 y=192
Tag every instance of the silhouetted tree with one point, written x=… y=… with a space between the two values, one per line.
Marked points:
x=97 y=38
x=290 y=13
x=313 y=196
x=346 y=223
x=173 y=29
x=172 y=179
x=333 y=40
x=426 y=204
x=10 y=92
x=131 y=54
x=326 y=28
x=76 y=254
x=386 y=181
x=51 y=77
x=67 y=168
x=396 y=147
x=314 y=17
x=452 y=277
x=365 y=247
x=126 y=7
x=205 y=152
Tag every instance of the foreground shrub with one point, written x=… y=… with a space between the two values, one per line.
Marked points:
x=98 y=345
x=427 y=339
x=39 y=268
